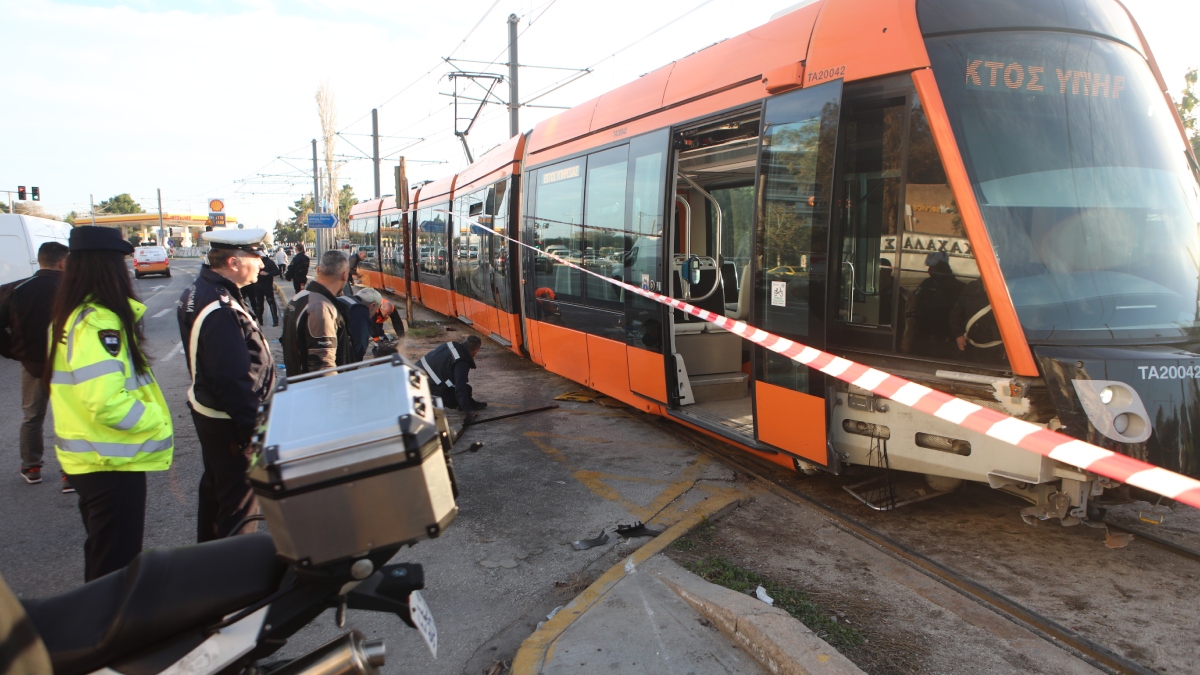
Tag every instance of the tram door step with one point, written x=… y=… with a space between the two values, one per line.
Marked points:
x=720 y=387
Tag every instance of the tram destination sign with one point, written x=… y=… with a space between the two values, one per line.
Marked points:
x=322 y=221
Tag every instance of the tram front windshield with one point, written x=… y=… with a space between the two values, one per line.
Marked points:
x=1083 y=180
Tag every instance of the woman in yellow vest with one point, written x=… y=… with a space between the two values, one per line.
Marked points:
x=111 y=422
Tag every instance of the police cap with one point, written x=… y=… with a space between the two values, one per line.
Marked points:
x=246 y=240
x=97 y=238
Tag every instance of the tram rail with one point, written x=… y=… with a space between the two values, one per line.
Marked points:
x=1085 y=648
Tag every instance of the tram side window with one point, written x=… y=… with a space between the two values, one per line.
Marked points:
x=557 y=223
x=604 y=229
x=941 y=293
x=643 y=247
x=362 y=238
x=500 y=248
x=391 y=248
x=431 y=240
x=467 y=245
x=872 y=155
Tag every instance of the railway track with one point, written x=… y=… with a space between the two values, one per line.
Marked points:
x=1093 y=652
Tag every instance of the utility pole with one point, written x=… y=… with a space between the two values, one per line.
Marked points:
x=375 y=146
x=402 y=204
x=93 y=199
x=316 y=193
x=514 y=124
x=162 y=241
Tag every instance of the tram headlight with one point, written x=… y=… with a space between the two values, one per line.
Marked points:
x=1114 y=409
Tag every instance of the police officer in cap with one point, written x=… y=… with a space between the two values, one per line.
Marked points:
x=233 y=372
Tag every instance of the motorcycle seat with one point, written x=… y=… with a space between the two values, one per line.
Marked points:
x=162 y=593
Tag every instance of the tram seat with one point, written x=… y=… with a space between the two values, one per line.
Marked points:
x=714 y=303
x=740 y=310
x=729 y=281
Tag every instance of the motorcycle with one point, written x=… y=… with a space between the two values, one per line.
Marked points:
x=227 y=606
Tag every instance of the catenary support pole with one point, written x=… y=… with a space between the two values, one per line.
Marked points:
x=405 y=239
x=316 y=194
x=375 y=146
x=514 y=105
x=162 y=241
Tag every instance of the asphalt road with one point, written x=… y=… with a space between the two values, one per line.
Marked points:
x=541 y=481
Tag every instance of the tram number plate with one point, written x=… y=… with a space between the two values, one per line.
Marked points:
x=779 y=293
x=422 y=618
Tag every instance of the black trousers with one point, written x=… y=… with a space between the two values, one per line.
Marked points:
x=225 y=494
x=113 y=506
x=258 y=297
x=298 y=284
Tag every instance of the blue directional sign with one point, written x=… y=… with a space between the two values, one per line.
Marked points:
x=322 y=220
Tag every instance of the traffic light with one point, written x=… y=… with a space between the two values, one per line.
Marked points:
x=21 y=192
x=37 y=194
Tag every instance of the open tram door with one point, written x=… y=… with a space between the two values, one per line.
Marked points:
x=752 y=212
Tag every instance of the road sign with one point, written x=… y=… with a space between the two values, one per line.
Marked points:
x=322 y=220
x=216 y=219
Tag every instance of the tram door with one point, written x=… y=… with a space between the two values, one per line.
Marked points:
x=795 y=185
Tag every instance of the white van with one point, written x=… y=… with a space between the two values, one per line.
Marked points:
x=20 y=238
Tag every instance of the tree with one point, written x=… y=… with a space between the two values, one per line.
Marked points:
x=346 y=200
x=3 y=207
x=70 y=217
x=295 y=227
x=121 y=203
x=1187 y=109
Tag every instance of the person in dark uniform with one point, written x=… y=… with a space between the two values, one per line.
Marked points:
x=297 y=271
x=233 y=372
x=264 y=291
x=449 y=366
x=24 y=326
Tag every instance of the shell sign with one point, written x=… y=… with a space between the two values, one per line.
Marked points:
x=216 y=205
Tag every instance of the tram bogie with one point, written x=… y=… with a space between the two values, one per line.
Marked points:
x=969 y=196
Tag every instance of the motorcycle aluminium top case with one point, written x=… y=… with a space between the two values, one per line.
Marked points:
x=1140 y=401
x=353 y=461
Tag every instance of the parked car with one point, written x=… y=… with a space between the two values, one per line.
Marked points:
x=150 y=260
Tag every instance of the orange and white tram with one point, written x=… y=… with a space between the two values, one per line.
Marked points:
x=993 y=199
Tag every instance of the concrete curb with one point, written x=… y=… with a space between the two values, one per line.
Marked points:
x=779 y=642
x=539 y=647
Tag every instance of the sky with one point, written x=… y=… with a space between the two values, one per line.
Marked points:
x=216 y=98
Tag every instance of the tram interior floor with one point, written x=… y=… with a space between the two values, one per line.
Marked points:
x=736 y=414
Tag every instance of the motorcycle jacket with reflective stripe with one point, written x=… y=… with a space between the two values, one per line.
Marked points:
x=449 y=366
x=234 y=371
x=107 y=416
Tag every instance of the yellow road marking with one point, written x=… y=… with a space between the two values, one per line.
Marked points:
x=539 y=647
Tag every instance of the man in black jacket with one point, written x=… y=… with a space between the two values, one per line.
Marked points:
x=297 y=271
x=264 y=290
x=24 y=324
x=233 y=372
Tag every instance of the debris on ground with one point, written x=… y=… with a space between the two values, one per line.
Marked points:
x=637 y=529
x=761 y=594
x=585 y=544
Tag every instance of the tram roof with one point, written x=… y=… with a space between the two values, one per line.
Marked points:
x=438 y=189
x=813 y=44
x=498 y=162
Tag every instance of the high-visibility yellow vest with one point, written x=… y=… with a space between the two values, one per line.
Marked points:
x=107 y=417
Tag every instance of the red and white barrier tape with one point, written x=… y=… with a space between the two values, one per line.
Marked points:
x=1056 y=446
